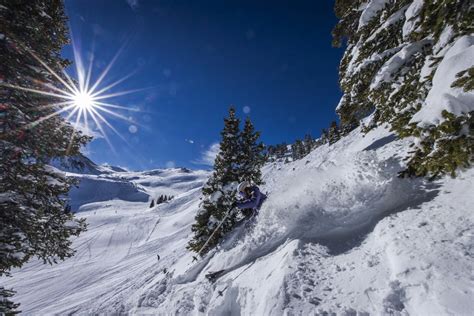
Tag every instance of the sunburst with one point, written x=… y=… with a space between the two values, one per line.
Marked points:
x=80 y=99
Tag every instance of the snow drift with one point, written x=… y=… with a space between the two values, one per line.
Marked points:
x=339 y=233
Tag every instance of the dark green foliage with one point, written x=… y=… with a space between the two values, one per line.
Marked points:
x=436 y=14
x=348 y=20
x=465 y=80
x=298 y=150
x=240 y=158
x=446 y=148
x=33 y=218
x=277 y=151
x=7 y=307
x=218 y=198
x=324 y=136
x=309 y=143
x=161 y=199
x=396 y=99
x=251 y=154
x=333 y=134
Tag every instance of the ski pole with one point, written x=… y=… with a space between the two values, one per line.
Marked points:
x=210 y=237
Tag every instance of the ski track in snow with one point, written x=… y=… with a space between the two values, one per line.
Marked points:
x=339 y=233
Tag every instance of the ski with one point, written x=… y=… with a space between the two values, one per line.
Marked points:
x=213 y=276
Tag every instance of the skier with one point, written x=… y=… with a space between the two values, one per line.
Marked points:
x=251 y=199
x=250 y=202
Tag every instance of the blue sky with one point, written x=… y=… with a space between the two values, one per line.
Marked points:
x=272 y=60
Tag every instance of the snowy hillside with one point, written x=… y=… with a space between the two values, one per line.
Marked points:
x=339 y=233
x=104 y=182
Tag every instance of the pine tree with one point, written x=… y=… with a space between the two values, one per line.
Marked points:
x=270 y=153
x=281 y=150
x=33 y=221
x=152 y=204
x=7 y=307
x=219 y=191
x=324 y=136
x=393 y=54
x=295 y=151
x=298 y=150
x=308 y=144
x=159 y=200
x=252 y=155
x=333 y=134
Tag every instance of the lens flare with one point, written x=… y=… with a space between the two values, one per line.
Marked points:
x=82 y=99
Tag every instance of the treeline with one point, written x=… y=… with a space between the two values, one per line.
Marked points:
x=161 y=199
x=302 y=147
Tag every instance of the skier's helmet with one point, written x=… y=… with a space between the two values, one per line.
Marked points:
x=243 y=185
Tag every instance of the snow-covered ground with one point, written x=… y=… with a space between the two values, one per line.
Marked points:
x=339 y=233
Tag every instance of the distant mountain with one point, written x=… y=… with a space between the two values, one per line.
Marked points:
x=104 y=182
x=77 y=164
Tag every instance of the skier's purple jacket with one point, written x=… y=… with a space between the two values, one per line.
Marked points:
x=255 y=201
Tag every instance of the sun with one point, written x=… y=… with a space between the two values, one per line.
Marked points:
x=80 y=99
x=83 y=100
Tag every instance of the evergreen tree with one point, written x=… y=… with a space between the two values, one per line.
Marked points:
x=295 y=151
x=219 y=191
x=33 y=221
x=152 y=204
x=270 y=153
x=159 y=200
x=416 y=35
x=324 y=136
x=281 y=150
x=298 y=150
x=308 y=144
x=7 y=307
x=251 y=157
x=333 y=134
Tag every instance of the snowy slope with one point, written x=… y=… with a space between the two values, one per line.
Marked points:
x=104 y=183
x=339 y=233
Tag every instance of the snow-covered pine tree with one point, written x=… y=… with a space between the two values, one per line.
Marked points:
x=295 y=150
x=252 y=156
x=32 y=217
x=219 y=191
x=270 y=153
x=281 y=149
x=409 y=63
x=324 y=136
x=333 y=133
x=308 y=144
x=298 y=149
